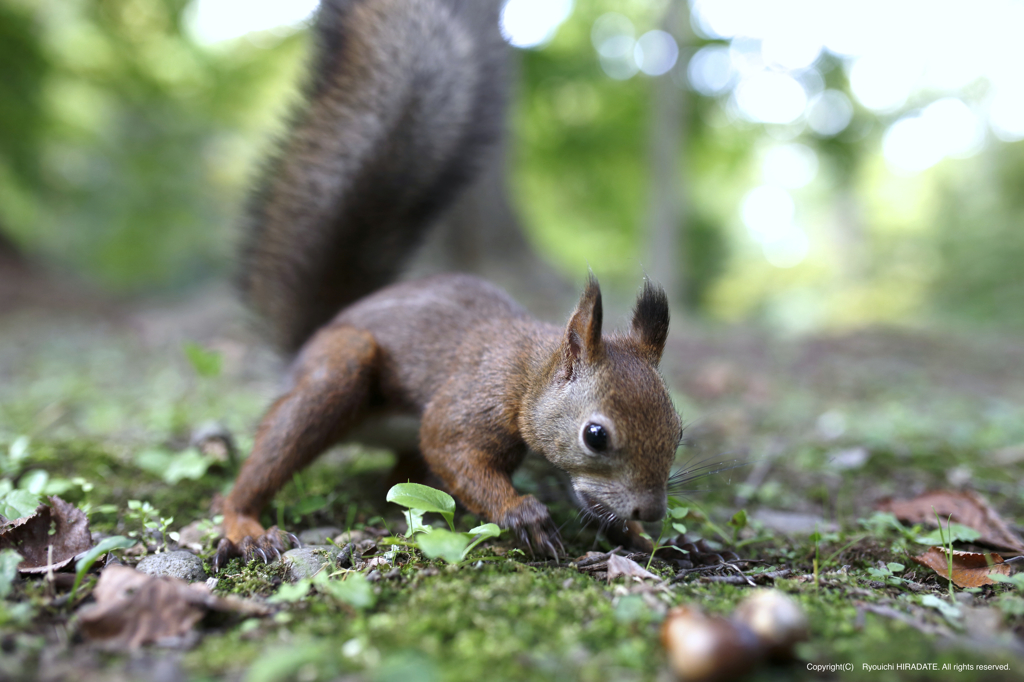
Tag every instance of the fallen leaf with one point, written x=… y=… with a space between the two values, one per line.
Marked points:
x=965 y=508
x=621 y=566
x=970 y=569
x=31 y=536
x=134 y=608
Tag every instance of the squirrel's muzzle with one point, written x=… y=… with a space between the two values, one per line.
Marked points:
x=649 y=510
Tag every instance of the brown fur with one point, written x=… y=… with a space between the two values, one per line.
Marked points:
x=406 y=98
x=488 y=383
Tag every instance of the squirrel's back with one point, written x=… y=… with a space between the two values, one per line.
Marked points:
x=405 y=99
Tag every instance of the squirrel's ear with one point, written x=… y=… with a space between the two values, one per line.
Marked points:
x=650 y=322
x=583 y=333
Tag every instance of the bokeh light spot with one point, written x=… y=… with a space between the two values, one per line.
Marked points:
x=533 y=23
x=710 y=70
x=656 y=53
x=770 y=97
x=830 y=113
x=791 y=165
x=215 y=21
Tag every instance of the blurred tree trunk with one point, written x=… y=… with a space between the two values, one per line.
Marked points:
x=668 y=201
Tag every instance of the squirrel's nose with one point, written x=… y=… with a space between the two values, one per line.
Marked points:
x=650 y=510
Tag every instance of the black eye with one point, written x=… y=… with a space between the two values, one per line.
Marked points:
x=595 y=437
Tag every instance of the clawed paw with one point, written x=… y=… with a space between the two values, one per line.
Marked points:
x=266 y=547
x=531 y=524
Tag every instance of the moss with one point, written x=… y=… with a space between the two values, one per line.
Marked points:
x=254 y=579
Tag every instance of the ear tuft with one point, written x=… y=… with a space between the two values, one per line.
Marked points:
x=583 y=333
x=650 y=322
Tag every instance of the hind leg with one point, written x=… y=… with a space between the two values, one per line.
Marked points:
x=334 y=376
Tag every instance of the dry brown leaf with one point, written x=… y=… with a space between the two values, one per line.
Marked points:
x=621 y=566
x=970 y=569
x=31 y=537
x=134 y=608
x=965 y=508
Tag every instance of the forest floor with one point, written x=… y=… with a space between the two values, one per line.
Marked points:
x=103 y=411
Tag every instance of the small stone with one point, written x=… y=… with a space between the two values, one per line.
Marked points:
x=305 y=561
x=344 y=557
x=194 y=534
x=350 y=536
x=179 y=564
x=318 y=536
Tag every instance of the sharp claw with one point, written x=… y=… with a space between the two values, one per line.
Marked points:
x=296 y=543
x=277 y=553
x=262 y=554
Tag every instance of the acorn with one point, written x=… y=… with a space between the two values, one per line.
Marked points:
x=703 y=648
x=776 y=619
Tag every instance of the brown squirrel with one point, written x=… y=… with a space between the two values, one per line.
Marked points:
x=406 y=98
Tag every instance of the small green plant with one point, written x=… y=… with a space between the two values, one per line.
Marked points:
x=151 y=523
x=948 y=546
x=9 y=560
x=436 y=542
x=353 y=589
x=206 y=363
x=1010 y=603
x=738 y=522
x=17 y=452
x=14 y=504
x=105 y=545
x=17 y=614
x=886 y=573
x=673 y=521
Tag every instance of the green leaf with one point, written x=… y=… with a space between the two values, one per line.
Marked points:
x=189 y=464
x=954 y=533
x=678 y=512
x=34 y=481
x=1017 y=579
x=424 y=498
x=444 y=544
x=679 y=528
x=9 y=560
x=481 y=533
x=950 y=611
x=173 y=467
x=739 y=520
x=19 y=449
x=291 y=592
x=414 y=520
x=18 y=503
x=355 y=590
x=206 y=363
x=105 y=545
x=895 y=567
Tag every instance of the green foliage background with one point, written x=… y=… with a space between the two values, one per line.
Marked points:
x=126 y=147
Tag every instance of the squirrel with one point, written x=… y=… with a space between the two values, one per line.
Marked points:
x=406 y=98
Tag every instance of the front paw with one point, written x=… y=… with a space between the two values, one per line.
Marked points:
x=266 y=546
x=531 y=523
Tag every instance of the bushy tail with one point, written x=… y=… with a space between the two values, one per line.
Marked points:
x=406 y=97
